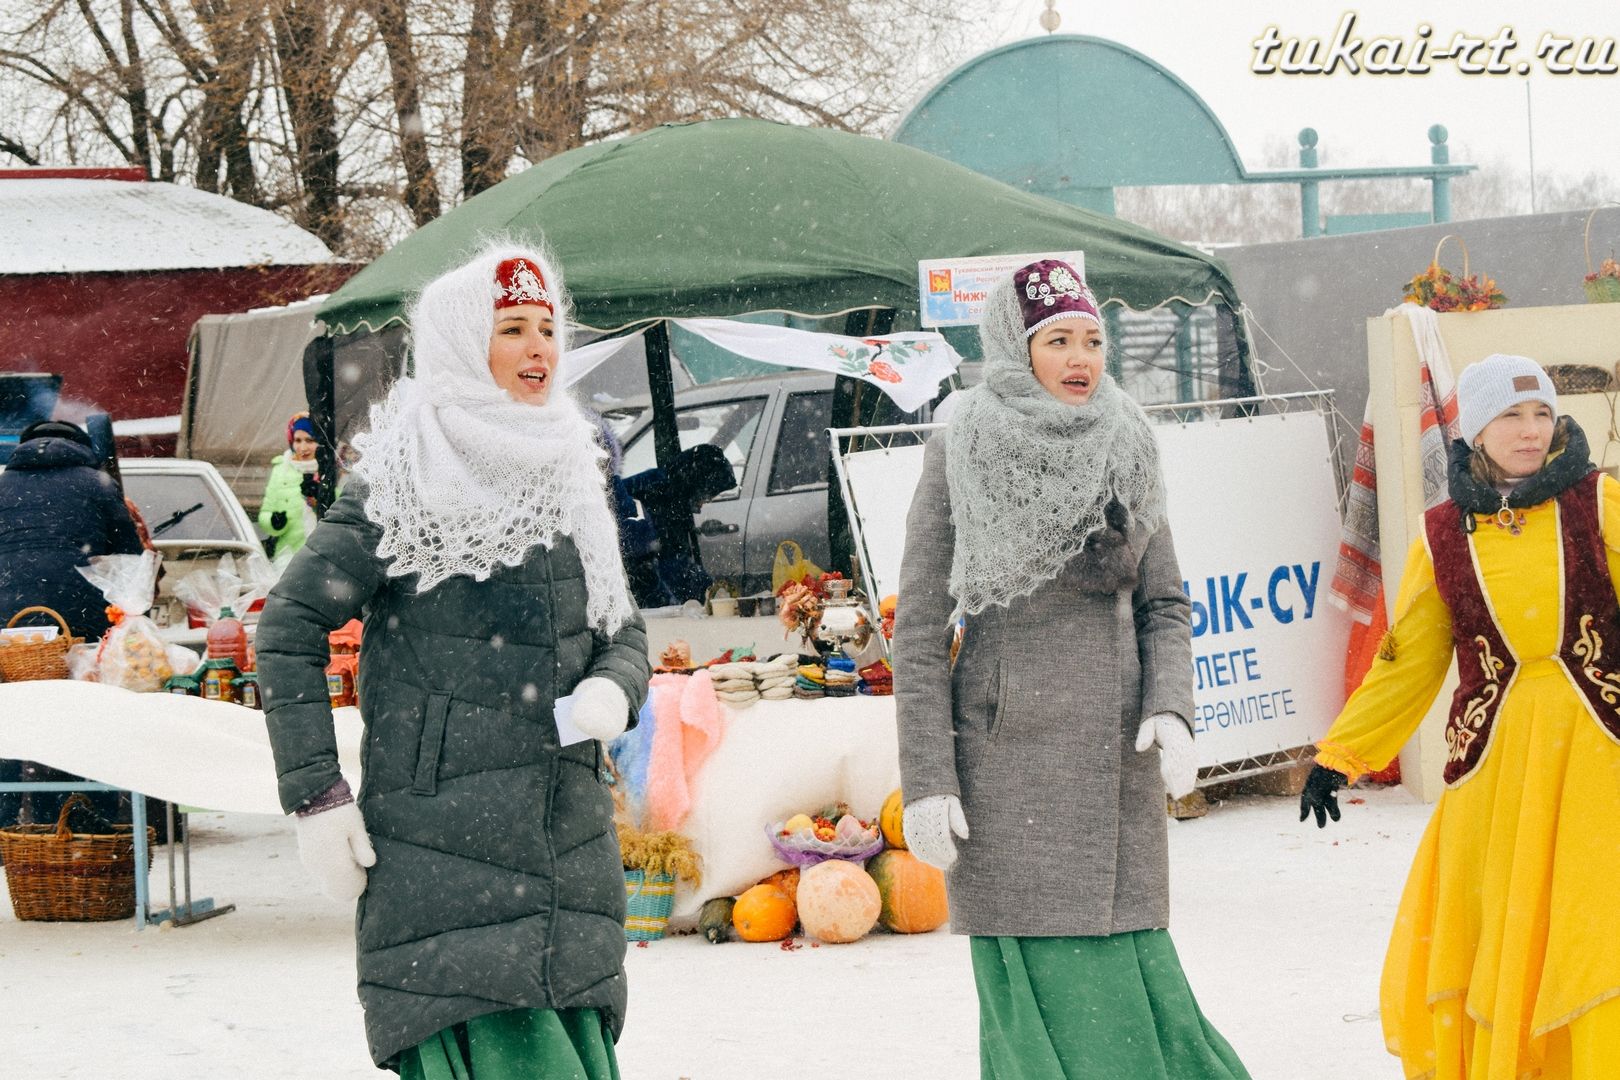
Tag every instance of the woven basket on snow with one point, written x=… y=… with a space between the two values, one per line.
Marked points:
x=54 y=873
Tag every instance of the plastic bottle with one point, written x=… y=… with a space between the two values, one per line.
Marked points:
x=227 y=639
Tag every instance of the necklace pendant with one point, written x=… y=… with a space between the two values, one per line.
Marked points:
x=1508 y=518
x=1513 y=522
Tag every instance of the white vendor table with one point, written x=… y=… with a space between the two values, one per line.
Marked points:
x=776 y=759
x=180 y=749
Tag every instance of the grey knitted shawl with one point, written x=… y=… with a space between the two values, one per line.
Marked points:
x=1030 y=477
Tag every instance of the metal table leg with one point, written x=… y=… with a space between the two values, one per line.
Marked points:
x=194 y=911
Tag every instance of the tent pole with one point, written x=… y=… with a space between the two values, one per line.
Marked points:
x=661 y=386
x=320 y=391
x=847 y=412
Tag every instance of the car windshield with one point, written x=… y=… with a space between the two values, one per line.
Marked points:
x=179 y=507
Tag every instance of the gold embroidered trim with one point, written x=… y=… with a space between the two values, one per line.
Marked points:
x=1589 y=648
x=1386 y=646
x=1464 y=730
x=1487 y=659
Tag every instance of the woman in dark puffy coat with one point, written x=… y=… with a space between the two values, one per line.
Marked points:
x=57 y=509
x=477 y=542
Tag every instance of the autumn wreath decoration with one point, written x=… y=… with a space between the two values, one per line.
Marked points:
x=1441 y=290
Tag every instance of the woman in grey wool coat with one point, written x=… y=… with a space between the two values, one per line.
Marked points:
x=477 y=541
x=1028 y=762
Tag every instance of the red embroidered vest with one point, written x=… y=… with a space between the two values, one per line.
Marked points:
x=1589 y=645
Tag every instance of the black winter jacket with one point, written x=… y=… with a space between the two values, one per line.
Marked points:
x=56 y=511
x=498 y=882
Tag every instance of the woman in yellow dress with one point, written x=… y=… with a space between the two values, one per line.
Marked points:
x=1502 y=964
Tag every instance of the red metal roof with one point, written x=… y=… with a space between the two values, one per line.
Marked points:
x=73 y=172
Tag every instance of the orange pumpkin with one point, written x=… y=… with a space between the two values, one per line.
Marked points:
x=787 y=881
x=913 y=893
x=764 y=913
x=891 y=819
x=838 y=901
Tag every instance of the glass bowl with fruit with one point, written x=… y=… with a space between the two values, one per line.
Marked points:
x=832 y=833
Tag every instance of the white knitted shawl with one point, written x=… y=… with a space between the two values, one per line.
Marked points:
x=461 y=476
x=1029 y=476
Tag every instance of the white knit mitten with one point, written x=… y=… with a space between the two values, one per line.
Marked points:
x=600 y=708
x=1178 y=761
x=334 y=848
x=928 y=824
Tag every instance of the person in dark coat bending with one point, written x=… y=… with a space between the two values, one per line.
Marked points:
x=57 y=509
x=476 y=540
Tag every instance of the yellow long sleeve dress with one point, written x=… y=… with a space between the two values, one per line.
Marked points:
x=1504 y=962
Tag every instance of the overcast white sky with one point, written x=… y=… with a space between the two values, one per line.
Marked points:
x=1368 y=119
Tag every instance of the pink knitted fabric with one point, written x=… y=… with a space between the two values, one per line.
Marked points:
x=689 y=727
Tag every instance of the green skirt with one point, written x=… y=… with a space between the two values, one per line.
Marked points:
x=562 y=1044
x=1092 y=1008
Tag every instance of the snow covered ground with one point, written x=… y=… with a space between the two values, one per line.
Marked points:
x=1281 y=929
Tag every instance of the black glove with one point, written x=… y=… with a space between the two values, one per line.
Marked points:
x=1319 y=797
x=310 y=487
x=1116 y=515
x=278 y=520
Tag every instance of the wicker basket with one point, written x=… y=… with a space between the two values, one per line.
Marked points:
x=25 y=662
x=649 y=898
x=1602 y=290
x=1599 y=290
x=1580 y=378
x=54 y=873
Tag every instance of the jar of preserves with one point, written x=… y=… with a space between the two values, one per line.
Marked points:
x=187 y=685
x=340 y=679
x=217 y=676
x=246 y=686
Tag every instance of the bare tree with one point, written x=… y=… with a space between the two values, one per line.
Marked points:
x=421 y=190
x=337 y=110
x=314 y=46
x=99 y=87
x=217 y=47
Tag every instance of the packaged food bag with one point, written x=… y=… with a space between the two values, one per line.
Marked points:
x=133 y=654
x=231 y=584
x=81 y=662
x=791 y=566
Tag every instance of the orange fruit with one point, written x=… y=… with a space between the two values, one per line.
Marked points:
x=764 y=913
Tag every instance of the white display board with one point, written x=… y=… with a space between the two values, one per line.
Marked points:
x=1256 y=524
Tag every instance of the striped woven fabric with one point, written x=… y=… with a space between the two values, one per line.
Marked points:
x=648 y=901
x=1357 y=585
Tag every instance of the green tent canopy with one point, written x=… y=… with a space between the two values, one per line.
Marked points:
x=726 y=217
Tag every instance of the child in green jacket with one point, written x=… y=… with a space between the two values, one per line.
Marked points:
x=287 y=513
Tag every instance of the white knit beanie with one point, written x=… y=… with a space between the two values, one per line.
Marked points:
x=1494 y=385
